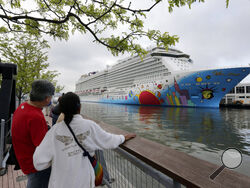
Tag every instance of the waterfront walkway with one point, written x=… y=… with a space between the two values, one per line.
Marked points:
x=16 y=178
x=13 y=179
x=181 y=168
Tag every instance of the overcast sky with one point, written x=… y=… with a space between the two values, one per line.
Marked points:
x=213 y=35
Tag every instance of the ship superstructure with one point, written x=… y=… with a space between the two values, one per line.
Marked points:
x=159 y=78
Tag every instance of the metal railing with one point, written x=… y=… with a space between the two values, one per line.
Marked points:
x=125 y=169
x=3 y=138
x=146 y=164
x=130 y=172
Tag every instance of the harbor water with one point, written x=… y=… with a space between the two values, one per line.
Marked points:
x=201 y=132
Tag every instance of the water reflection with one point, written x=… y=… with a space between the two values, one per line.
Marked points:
x=192 y=130
x=201 y=132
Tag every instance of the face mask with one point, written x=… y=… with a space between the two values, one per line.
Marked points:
x=49 y=103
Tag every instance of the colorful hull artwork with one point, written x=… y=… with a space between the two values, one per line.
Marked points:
x=203 y=88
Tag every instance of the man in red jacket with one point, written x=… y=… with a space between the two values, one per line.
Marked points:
x=28 y=130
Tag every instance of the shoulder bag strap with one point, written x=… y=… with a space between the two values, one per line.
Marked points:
x=85 y=152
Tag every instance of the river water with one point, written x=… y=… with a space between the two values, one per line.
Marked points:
x=201 y=132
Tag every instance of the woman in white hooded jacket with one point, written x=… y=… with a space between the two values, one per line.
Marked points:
x=59 y=149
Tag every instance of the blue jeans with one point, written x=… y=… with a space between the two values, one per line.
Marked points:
x=39 y=179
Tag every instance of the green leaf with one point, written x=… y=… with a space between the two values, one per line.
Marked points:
x=3 y=30
x=101 y=19
x=30 y=54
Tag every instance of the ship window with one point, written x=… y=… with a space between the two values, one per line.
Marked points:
x=247 y=89
x=166 y=80
x=240 y=89
x=242 y=97
x=248 y=96
x=232 y=90
x=229 y=101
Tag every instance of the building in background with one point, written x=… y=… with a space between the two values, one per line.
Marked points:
x=240 y=94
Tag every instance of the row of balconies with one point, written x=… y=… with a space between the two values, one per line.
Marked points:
x=134 y=74
x=132 y=67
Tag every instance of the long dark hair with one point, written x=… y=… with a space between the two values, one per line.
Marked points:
x=69 y=104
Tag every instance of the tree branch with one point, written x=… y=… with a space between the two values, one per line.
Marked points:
x=98 y=18
x=133 y=10
x=50 y=8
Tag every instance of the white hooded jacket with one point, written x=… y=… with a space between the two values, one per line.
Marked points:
x=59 y=150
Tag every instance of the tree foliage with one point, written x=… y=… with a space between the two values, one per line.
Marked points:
x=101 y=18
x=30 y=55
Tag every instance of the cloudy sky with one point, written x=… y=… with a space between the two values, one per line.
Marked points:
x=213 y=35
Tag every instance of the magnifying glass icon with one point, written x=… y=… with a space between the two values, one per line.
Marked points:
x=231 y=158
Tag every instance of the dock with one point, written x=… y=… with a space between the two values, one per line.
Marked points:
x=181 y=167
x=141 y=163
x=13 y=179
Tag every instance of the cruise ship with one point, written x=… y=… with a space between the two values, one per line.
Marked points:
x=159 y=78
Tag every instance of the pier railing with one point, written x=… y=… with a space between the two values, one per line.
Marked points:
x=140 y=159
x=128 y=171
x=2 y=142
x=141 y=163
x=5 y=133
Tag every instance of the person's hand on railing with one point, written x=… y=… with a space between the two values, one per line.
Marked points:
x=129 y=136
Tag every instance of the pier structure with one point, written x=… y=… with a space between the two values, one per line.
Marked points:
x=141 y=163
x=239 y=96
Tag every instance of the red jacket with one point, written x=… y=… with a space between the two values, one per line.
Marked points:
x=28 y=130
